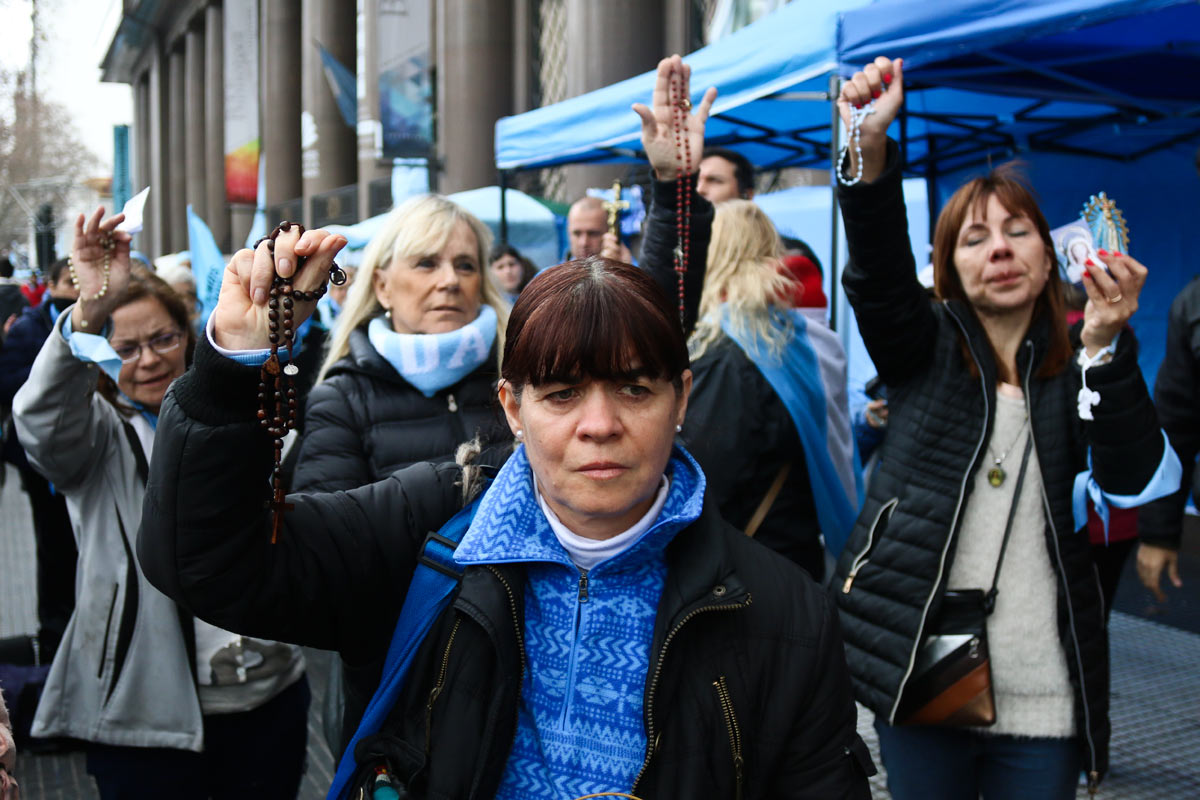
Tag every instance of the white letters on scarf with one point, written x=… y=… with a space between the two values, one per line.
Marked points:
x=434 y=361
x=472 y=345
x=413 y=362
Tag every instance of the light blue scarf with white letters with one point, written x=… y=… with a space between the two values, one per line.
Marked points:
x=433 y=361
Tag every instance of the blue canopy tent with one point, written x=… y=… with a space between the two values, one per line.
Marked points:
x=531 y=227
x=1096 y=94
x=989 y=75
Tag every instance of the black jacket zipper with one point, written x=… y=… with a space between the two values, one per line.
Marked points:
x=651 y=737
x=438 y=685
x=1093 y=773
x=735 y=733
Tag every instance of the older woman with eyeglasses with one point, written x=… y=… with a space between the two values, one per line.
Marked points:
x=167 y=704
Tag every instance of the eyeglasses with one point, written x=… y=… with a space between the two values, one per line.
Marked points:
x=161 y=344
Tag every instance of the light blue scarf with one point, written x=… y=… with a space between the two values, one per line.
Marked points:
x=433 y=361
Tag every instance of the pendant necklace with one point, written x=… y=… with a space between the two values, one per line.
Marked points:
x=996 y=475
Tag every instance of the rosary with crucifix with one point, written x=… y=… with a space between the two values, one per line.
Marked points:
x=276 y=384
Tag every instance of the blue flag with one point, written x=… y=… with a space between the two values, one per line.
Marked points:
x=208 y=264
x=343 y=85
x=809 y=376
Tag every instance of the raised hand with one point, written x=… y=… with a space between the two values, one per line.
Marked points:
x=240 y=320
x=99 y=268
x=612 y=247
x=1112 y=298
x=658 y=123
x=881 y=81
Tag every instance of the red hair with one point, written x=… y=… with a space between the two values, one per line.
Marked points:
x=1009 y=187
x=593 y=317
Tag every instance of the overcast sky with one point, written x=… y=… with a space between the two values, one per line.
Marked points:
x=76 y=35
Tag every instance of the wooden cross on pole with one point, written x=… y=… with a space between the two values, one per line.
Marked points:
x=614 y=208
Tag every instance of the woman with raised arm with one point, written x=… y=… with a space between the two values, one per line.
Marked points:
x=168 y=705
x=998 y=432
x=608 y=632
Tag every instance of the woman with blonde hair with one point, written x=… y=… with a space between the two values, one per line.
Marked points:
x=413 y=359
x=769 y=421
x=411 y=369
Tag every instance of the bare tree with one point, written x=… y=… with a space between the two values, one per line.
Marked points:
x=41 y=155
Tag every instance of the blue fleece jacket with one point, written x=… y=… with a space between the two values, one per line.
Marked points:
x=580 y=726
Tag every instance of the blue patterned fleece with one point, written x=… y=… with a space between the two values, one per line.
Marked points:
x=579 y=725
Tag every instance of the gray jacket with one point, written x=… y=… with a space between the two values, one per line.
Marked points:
x=122 y=675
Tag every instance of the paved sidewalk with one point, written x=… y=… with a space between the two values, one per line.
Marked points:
x=1155 y=750
x=1155 y=695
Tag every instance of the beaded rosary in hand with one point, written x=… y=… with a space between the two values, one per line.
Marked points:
x=108 y=245
x=681 y=104
x=276 y=383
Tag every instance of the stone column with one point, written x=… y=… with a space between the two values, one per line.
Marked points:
x=474 y=86
x=330 y=161
x=157 y=240
x=140 y=162
x=524 y=76
x=370 y=164
x=175 y=224
x=281 y=44
x=677 y=27
x=216 y=210
x=195 y=171
x=609 y=42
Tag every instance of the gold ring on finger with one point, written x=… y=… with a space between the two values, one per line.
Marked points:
x=1116 y=299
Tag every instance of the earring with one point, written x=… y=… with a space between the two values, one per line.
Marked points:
x=520 y=434
x=679 y=429
x=387 y=312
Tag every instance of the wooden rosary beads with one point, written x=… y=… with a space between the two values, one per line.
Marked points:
x=276 y=385
x=681 y=105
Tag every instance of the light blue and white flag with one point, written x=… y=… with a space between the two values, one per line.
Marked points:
x=809 y=376
x=208 y=264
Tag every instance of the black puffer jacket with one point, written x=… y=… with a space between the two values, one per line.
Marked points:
x=785 y=727
x=1175 y=394
x=742 y=434
x=894 y=566
x=365 y=421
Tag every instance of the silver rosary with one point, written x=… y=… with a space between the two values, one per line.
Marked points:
x=857 y=115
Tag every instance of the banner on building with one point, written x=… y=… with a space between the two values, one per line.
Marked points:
x=405 y=86
x=121 y=184
x=241 y=101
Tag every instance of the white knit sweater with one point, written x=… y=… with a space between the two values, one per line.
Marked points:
x=1029 y=666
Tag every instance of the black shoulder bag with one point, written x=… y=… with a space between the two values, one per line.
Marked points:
x=951 y=683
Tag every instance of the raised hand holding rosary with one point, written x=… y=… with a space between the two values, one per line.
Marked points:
x=108 y=245
x=853 y=137
x=276 y=384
